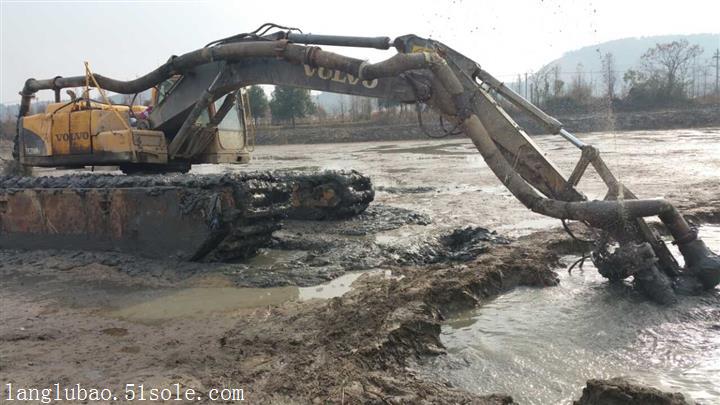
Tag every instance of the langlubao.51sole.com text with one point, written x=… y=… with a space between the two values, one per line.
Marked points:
x=131 y=392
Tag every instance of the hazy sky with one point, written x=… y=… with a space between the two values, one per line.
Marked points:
x=125 y=39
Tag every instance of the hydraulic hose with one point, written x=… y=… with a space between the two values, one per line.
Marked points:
x=175 y=65
x=598 y=213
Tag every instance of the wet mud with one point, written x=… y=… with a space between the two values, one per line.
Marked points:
x=589 y=328
x=357 y=347
x=367 y=336
x=618 y=391
x=303 y=253
x=281 y=351
x=276 y=325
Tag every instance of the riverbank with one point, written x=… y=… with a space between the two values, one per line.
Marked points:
x=576 y=123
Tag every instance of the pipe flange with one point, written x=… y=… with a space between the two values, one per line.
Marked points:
x=55 y=85
x=361 y=70
x=687 y=238
x=310 y=55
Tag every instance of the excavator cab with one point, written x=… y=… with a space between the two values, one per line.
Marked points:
x=232 y=134
x=223 y=132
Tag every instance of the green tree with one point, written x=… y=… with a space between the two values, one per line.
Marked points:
x=258 y=102
x=289 y=103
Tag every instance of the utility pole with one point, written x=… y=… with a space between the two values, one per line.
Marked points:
x=526 y=86
x=716 y=56
x=519 y=84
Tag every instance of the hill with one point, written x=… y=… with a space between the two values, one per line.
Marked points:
x=627 y=53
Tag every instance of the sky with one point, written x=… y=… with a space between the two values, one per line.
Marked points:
x=126 y=39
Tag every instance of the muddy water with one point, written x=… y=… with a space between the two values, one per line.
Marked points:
x=541 y=345
x=449 y=181
x=199 y=302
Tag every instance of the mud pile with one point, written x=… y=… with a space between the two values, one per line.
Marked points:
x=618 y=391
x=358 y=244
x=458 y=245
x=359 y=347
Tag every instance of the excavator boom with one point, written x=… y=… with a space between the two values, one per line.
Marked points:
x=423 y=71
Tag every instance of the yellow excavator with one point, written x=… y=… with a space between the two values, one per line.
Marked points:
x=197 y=116
x=84 y=132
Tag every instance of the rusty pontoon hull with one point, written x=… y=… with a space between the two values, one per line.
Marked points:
x=184 y=217
x=217 y=217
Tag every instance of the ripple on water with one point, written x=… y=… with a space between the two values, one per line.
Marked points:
x=541 y=345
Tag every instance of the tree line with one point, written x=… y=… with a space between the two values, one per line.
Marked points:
x=663 y=78
x=289 y=104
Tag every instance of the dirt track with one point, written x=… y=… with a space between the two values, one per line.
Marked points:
x=62 y=318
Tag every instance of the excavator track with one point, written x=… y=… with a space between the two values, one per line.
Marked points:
x=219 y=217
x=329 y=194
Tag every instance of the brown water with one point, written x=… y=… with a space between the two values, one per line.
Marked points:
x=199 y=302
x=541 y=345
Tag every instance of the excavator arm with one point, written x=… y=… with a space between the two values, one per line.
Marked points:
x=427 y=71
